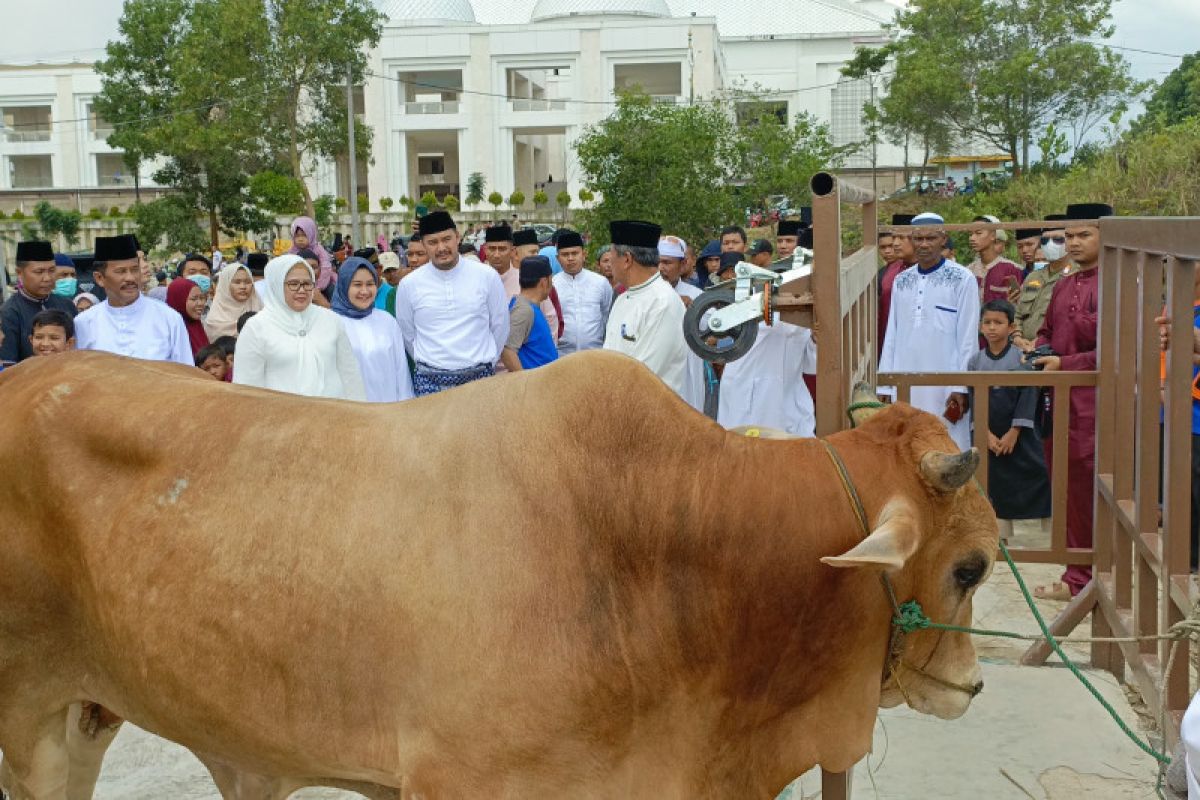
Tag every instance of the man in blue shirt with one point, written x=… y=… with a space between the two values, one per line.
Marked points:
x=530 y=343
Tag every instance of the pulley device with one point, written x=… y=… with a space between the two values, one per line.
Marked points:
x=721 y=325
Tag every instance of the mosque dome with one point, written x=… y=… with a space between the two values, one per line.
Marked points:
x=553 y=9
x=413 y=11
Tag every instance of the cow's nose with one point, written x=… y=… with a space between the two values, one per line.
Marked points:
x=976 y=689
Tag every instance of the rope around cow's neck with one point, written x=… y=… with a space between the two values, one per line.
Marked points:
x=910 y=617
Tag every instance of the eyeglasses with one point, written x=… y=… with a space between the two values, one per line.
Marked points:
x=1055 y=239
x=299 y=286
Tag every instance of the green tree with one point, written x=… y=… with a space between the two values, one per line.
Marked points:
x=450 y=202
x=406 y=202
x=429 y=199
x=1174 y=100
x=1017 y=66
x=364 y=204
x=55 y=222
x=303 y=62
x=777 y=158
x=276 y=193
x=324 y=207
x=563 y=200
x=586 y=196
x=169 y=221
x=385 y=204
x=516 y=199
x=496 y=199
x=540 y=199
x=668 y=163
x=476 y=186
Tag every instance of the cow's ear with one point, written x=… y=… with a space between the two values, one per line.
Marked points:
x=893 y=541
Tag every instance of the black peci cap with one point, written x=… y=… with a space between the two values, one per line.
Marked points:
x=35 y=250
x=635 y=233
x=568 y=238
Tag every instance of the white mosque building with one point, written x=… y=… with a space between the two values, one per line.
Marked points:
x=499 y=87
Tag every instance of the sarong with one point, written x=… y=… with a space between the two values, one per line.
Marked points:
x=431 y=380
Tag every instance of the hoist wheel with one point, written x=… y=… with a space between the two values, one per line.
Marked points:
x=725 y=346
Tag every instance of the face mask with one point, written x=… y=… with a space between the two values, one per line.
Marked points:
x=203 y=281
x=66 y=287
x=1053 y=251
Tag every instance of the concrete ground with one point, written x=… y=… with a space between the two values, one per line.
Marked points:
x=1033 y=733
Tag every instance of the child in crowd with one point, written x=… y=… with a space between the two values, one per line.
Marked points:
x=227 y=344
x=1018 y=485
x=53 y=333
x=211 y=359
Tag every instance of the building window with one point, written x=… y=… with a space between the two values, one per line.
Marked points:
x=663 y=82
x=751 y=111
x=99 y=127
x=434 y=92
x=30 y=172
x=846 y=124
x=538 y=88
x=111 y=170
x=27 y=123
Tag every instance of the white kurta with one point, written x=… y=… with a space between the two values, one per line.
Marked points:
x=143 y=329
x=379 y=349
x=646 y=323
x=693 y=368
x=586 y=301
x=933 y=326
x=766 y=386
x=453 y=319
x=318 y=362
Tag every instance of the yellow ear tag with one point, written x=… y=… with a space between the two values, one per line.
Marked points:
x=753 y=433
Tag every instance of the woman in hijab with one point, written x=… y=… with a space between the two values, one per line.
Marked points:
x=188 y=299
x=293 y=345
x=235 y=296
x=304 y=237
x=374 y=333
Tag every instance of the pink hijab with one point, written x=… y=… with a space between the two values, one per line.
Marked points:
x=309 y=228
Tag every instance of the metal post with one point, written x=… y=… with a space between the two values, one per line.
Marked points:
x=353 y=160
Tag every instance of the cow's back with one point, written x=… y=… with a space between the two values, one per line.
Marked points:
x=239 y=567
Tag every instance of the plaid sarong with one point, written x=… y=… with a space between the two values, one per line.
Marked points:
x=431 y=380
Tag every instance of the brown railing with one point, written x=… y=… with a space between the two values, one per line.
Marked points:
x=1142 y=582
x=1142 y=575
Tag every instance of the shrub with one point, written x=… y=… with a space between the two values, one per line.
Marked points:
x=96 y=213
x=18 y=214
x=450 y=202
x=516 y=199
x=115 y=211
x=385 y=204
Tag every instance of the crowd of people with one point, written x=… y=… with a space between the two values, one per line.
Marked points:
x=450 y=308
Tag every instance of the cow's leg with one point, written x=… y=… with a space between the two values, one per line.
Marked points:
x=90 y=731
x=238 y=784
x=36 y=761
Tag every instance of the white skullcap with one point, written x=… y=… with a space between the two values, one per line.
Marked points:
x=928 y=218
x=672 y=247
x=1001 y=235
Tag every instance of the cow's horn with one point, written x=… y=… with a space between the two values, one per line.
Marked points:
x=949 y=472
x=864 y=403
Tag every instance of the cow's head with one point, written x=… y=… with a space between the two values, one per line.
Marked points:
x=935 y=535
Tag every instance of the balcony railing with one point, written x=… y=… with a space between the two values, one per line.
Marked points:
x=27 y=134
x=539 y=105
x=666 y=99
x=444 y=107
x=431 y=178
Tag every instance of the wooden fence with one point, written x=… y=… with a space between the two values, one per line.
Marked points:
x=1142 y=582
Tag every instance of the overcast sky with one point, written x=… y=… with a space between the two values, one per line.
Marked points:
x=54 y=29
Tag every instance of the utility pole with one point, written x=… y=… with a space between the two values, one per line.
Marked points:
x=353 y=158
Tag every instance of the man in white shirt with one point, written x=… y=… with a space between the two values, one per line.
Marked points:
x=586 y=298
x=933 y=325
x=452 y=311
x=646 y=322
x=672 y=256
x=128 y=323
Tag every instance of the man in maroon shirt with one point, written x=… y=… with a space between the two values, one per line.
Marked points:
x=903 y=257
x=1070 y=329
x=995 y=273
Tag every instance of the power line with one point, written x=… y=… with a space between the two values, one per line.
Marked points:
x=1131 y=49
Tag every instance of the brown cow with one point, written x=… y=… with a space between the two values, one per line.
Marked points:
x=485 y=629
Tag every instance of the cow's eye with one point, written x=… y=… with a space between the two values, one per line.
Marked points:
x=969 y=572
